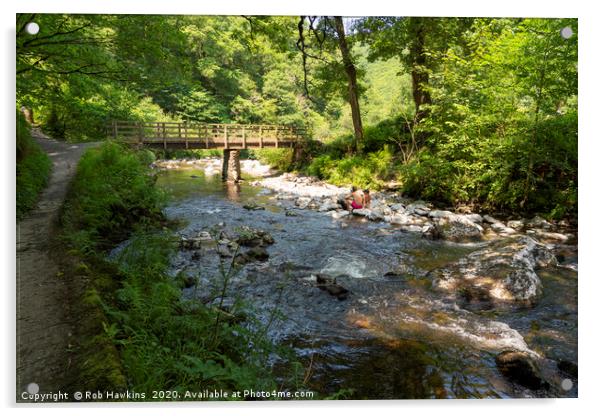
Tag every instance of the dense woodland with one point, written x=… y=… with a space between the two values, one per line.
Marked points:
x=475 y=111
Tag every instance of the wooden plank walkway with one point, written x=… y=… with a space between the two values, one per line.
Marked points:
x=205 y=136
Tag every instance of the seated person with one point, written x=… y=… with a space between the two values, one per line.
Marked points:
x=345 y=200
x=361 y=199
x=367 y=198
x=358 y=200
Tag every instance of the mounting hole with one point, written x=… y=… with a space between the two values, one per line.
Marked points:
x=33 y=388
x=32 y=28
x=566 y=32
x=566 y=384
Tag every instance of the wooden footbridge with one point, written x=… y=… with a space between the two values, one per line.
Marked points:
x=231 y=138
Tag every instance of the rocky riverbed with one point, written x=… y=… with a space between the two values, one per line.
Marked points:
x=414 y=215
x=400 y=300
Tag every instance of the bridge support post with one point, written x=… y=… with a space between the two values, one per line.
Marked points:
x=231 y=165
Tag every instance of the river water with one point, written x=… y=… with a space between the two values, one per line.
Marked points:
x=394 y=337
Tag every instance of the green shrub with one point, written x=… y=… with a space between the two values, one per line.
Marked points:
x=281 y=159
x=112 y=193
x=378 y=136
x=173 y=344
x=532 y=168
x=365 y=171
x=33 y=169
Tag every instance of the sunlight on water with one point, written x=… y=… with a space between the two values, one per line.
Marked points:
x=394 y=336
x=349 y=265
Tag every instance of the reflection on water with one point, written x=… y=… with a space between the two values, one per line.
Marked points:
x=232 y=191
x=393 y=337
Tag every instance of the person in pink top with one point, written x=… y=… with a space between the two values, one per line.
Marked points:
x=361 y=199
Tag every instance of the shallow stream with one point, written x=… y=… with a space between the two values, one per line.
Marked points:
x=394 y=336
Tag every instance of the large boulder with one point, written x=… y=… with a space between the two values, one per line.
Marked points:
x=328 y=206
x=457 y=228
x=521 y=368
x=504 y=271
x=372 y=215
x=476 y=218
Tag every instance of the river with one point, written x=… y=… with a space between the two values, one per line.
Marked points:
x=394 y=336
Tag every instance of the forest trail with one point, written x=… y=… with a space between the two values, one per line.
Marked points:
x=44 y=321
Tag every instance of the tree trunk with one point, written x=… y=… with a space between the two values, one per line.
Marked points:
x=352 y=82
x=420 y=76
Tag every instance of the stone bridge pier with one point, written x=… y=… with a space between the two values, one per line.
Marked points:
x=231 y=165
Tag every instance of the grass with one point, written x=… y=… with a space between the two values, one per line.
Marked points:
x=33 y=169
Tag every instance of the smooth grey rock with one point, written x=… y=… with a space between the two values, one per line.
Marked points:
x=549 y=236
x=223 y=251
x=302 y=202
x=368 y=213
x=362 y=212
x=458 y=228
x=337 y=215
x=402 y=219
x=422 y=211
x=538 y=222
x=411 y=228
x=190 y=243
x=440 y=214
x=398 y=207
x=418 y=208
x=476 y=218
x=376 y=214
x=516 y=224
x=499 y=227
x=489 y=219
x=328 y=206
x=430 y=231
x=504 y=270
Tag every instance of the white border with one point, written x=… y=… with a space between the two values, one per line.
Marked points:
x=589 y=175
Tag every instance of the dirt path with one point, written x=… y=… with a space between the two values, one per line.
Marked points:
x=44 y=324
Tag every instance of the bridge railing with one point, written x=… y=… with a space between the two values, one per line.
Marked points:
x=206 y=136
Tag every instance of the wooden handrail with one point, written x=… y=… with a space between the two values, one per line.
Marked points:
x=206 y=135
